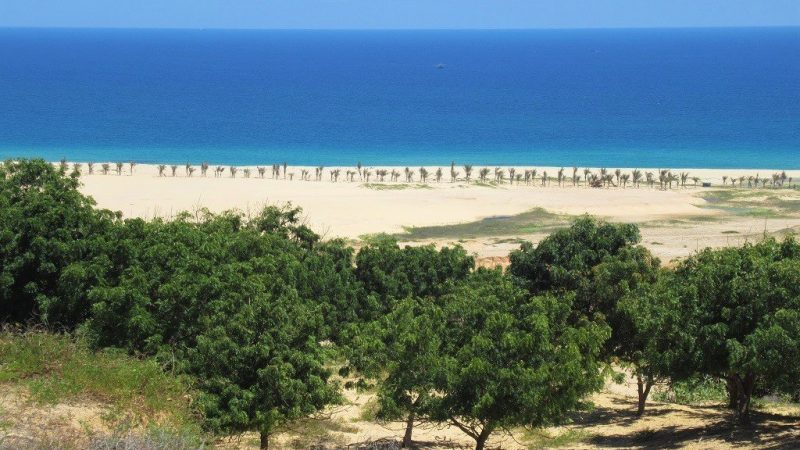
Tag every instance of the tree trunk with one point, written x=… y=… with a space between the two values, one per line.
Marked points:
x=733 y=393
x=745 y=387
x=643 y=389
x=409 y=430
x=480 y=442
x=264 y=441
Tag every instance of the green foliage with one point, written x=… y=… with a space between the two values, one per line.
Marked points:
x=510 y=359
x=740 y=315
x=599 y=262
x=389 y=273
x=693 y=391
x=53 y=245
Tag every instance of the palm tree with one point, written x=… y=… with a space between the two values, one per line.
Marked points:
x=218 y=171
x=650 y=179
x=439 y=175
x=423 y=174
x=498 y=175
x=684 y=178
x=518 y=178
x=358 y=167
x=233 y=171
x=131 y=165
x=512 y=175
x=453 y=172
x=304 y=174
x=724 y=179
x=334 y=175
x=191 y=171
x=409 y=175
x=741 y=181
x=544 y=178
x=63 y=165
x=381 y=174
x=574 y=176
x=617 y=174
x=482 y=174
x=468 y=172
x=603 y=173
x=533 y=176
x=586 y=175
x=204 y=168
x=76 y=168
x=527 y=177
x=395 y=175
x=246 y=172
x=119 y=168
x=695 y=180
x=560 y=176
x=319 y=172
x=637 y=177
x=261 y=171
x=174 y=169
x=186 y=169
x=624 y=180
x=284 y=170
x=90 y=165
x=105 y=167
x=368 y=173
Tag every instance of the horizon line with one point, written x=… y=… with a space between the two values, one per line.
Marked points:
x=146 y=28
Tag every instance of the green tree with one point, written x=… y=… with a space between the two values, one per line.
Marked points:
x=741 y=307
x=510 y=359
x=54 y=245
x=389 y=272
x=601 y=265
x=403 y=351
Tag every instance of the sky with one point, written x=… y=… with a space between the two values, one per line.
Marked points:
x=397 y=14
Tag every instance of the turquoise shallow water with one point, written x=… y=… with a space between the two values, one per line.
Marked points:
x=646 y=98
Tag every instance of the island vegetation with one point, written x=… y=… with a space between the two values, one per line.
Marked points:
x=260 y=318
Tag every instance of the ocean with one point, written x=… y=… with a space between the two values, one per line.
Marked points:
x=677 y=98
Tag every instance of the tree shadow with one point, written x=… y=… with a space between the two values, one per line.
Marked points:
x=767 y=430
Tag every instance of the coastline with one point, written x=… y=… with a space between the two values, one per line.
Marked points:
x=673 y=221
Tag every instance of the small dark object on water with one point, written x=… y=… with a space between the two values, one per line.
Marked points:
x=440 y=66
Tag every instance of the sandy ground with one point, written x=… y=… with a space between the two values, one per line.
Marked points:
x=612 y=423
x=353 y=209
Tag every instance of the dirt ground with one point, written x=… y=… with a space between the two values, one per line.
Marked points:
x=612 y=423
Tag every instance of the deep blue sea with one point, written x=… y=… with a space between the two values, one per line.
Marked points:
x=645 y=98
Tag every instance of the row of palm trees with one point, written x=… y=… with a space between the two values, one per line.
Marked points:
x=601 y=178
x=777 y=179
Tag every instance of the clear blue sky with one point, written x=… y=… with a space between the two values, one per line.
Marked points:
x=398 y=13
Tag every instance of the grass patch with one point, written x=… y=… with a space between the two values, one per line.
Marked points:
x=394 y=186
x=509 y=241
x=369 y=412
x=486 y=184
x=762 y=203
x=314 y=433
x=730 y=232
x=694 y=391
x=533 y=221
x=57 y=368
x=538 y=438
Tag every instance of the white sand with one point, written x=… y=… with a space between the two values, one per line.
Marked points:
x=349 y=209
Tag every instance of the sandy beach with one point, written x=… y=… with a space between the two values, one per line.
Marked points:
x=674 y=222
